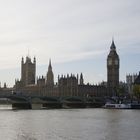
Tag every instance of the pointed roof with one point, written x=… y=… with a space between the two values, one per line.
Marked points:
x=28 y=59
x=50 y=65
x=113 y=52
x=81 y=76
x=113 y=47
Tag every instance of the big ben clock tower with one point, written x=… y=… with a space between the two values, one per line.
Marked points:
x=113 y=64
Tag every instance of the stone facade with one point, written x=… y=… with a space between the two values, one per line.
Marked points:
x=28 y=71
x=113 y=64
x=49 y=81
x=136 y=87
x=130 y=79
x=67 y=85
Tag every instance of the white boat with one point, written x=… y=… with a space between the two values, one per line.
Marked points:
x=5 y=106
x=117 y=106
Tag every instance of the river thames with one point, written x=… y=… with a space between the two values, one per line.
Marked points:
x=70 y=124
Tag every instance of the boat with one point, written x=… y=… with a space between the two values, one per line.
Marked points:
x=117 y=106
x=135 y=106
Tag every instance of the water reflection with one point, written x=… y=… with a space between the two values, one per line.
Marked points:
x=77 y=124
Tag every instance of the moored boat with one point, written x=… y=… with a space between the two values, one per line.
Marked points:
x=117 y=106
x=135 y=106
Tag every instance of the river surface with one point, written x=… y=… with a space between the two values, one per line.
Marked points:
x=70 y=124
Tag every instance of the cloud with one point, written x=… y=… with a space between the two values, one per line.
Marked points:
x=66 y=31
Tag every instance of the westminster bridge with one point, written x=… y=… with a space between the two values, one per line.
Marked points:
x=46 y=102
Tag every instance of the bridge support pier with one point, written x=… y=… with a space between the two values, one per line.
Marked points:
x=52 y=105
x=21 y=106
x=36 y=106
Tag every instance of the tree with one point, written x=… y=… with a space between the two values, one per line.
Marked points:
x=136 y=91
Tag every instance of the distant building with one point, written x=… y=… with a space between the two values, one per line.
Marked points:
x=113 y=65
x=137 y=80
x=28 y=71
x=49 y=81
x=28 y=76
x=136 y=87
x=69 y=85
x=130 y=79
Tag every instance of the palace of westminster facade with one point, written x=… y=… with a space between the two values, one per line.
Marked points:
x=67 y=85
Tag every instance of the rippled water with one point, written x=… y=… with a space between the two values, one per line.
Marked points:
x=71 y=124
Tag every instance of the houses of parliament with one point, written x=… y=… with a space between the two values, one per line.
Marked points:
x=66 y=85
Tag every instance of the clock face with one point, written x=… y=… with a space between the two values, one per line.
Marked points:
x=109 y=62
x=116 y=62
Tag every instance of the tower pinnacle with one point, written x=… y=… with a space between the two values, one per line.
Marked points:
x=49 y=76
x=81 y=79
x=113 y=47
x=50 y=65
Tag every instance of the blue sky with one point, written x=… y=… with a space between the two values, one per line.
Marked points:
x=75 y=34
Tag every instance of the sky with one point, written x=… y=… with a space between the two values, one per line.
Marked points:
x=75 y=34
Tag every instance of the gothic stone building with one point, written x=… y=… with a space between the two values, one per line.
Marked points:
x=67 y=85
x=130 y=79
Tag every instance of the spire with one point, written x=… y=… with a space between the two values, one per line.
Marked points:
x=81 y=79
x=112 y=38
x=50 y=65
x=113 y=47
x=49 y=76
x=81 y=76
x=28 y=58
